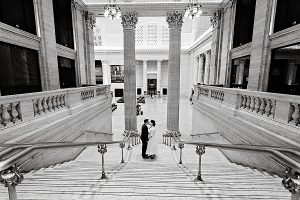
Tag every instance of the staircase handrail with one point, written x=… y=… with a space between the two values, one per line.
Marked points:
x=274 y=150
x=29 y=147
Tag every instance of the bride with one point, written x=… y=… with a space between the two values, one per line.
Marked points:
x=152 y=146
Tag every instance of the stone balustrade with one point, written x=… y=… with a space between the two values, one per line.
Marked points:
x=23 y=107
x=278 y=107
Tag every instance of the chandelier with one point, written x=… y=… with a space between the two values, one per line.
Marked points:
x=193 y=9
x=112 y=10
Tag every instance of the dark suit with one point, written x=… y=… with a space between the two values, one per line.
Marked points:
x=144 y=138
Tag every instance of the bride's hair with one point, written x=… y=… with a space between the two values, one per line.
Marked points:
x=153 y=122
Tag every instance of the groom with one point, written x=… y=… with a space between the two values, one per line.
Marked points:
x=144 y=138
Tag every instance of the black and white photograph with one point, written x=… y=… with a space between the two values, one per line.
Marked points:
x=149 y=99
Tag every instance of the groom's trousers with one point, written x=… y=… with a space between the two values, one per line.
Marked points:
x=144 y=148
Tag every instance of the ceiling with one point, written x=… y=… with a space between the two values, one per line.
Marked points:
x=153 y=8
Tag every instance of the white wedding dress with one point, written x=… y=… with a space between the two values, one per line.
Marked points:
x=152 y=145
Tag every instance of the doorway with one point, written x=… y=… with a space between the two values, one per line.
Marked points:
x=152 y=86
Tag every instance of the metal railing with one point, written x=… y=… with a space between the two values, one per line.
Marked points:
x=11 y=176
x=291 y=180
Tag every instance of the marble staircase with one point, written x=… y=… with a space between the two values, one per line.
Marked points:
x=162 y=178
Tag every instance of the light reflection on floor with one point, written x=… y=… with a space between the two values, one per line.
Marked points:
x=155 y=109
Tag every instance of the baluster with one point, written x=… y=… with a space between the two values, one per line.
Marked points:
x=248 y=102
x=252 y=105
x=244 y=101
x=296 y=114
x=257 y=104
x=262 y=106
x=39 y=106
x=44 y=104
x=53 y=102
x=34 y=107
x=64 y=100
x=14 y=113
x=268 y=107
x=57 y=101
x=18 y=108
x=1 y=120
x=273 y=108
x=5 y=115
x=49 y=102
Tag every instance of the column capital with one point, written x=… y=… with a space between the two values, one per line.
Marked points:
x=215 y=19
x=90 y=19
x=175 y=20
x=207 y=53
x=129 y=20
x=242 y=61
x=202 y=56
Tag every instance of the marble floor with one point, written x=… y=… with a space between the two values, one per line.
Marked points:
x=155 y=109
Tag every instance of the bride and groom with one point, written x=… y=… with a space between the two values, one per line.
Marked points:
x=149 y=146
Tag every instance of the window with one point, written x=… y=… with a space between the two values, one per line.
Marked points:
x=244 y=21
x=284 y=76
x=63 y=23
x=165 y=91
x=19 y=14
x=240 y=73
x=139 y=91
x=119 y=93
x=67 y=75
x=287 y=14
x=19 y=70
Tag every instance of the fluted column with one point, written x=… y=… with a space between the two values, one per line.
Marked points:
x=241 y=71
x=207 y=68
x=201 y=69
x=159 y=76
x=90 y=57
x=129 y=21
x=145 y=77
x=175 y=21
x=214 y=63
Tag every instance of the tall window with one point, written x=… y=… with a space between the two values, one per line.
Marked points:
x=244 y=21
x=19 y=70
x=284 y=74
x=63 y=23
x=287 y=14
x=67 y=74
x=19 y=14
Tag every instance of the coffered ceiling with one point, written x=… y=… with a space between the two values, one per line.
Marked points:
x=153 y=8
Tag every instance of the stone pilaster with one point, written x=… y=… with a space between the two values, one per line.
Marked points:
x=90 y=69
x=175 y=20
x=145 y=78
x=260 y=51
x=49 y=65
x=214 y=66
x=159 y=76
x=129 y=21
x=201 y=69
x=207 y=68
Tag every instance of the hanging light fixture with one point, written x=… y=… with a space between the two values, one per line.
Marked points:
x=193 y=9
x=112 y=10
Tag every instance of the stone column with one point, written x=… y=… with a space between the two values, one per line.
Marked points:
x=48 y=58
x=90 y=58
x=175 y=21
x=201 y=68
x=214 y=64
x=159 y=77
x=129 y=21
x=207 y=68
x=241 y=71
x=106 y=73
x=145 y=77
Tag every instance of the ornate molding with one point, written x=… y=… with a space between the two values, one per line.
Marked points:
x=129 y=20
x=215 y=19
x=90 y=19
x=175 y=20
